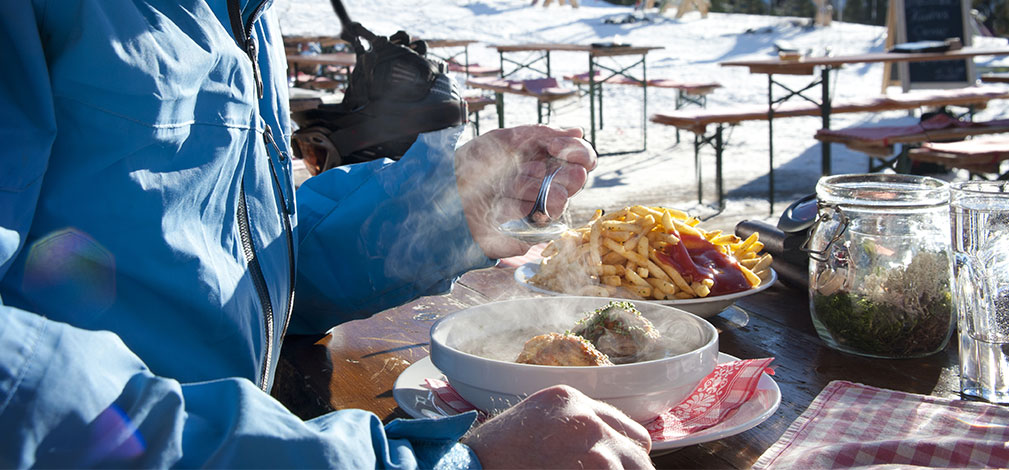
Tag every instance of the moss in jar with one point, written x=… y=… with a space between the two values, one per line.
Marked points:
x=909 y=314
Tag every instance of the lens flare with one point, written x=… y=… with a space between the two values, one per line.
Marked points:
x=113 y=438
x=69 y=273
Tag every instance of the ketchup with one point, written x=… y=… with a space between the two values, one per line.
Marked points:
x=696 y=258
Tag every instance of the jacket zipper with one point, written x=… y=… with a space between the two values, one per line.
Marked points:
x=243 y=32
x=259 y=282
x=286 y=205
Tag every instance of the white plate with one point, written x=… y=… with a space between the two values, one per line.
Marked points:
x=419 y=402
x=703 y=307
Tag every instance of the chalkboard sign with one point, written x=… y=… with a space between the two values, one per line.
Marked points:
x=934 y=20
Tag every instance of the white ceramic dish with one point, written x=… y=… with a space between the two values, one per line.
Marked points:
x=417 y=401
x=476 y=347
x=702 y=307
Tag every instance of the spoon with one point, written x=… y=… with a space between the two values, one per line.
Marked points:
x=536 y=226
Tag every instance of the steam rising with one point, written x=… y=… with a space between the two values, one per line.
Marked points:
x=504 y=338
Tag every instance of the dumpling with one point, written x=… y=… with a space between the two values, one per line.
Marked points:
x=555 y=349
x=619 y=331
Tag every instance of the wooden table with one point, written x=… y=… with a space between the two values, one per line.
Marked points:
x=539 y=64
x=356 y=365
x=807 y=66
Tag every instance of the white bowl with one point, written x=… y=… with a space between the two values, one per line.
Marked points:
x=461 y=343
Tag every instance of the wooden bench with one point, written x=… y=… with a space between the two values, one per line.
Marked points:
x=475 y=104
x=878 y=142
x=687 y=93
x=979 y=156
x=698 y=120
x=545 y=90
x=995 y=77
x=473 y=70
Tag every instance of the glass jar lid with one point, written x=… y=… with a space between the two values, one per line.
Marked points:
x=882 y=190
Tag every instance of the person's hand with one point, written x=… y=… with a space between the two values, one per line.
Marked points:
x=499 y=174
x=559 y=427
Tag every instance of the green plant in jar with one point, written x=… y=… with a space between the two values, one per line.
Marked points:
x=908 y=315
x=880 y=265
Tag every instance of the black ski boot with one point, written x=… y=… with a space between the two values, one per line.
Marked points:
x=394 y=94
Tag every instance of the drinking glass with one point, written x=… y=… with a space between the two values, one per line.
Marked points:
x=979 y=212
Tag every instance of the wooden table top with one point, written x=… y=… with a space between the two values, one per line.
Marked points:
x=805 y=65
x=564 y=47
x=356 y=365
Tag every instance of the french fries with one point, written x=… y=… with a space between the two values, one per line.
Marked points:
x=627 y=253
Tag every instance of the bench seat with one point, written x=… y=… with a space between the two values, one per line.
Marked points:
x=878 y=142
x=995 y=77
x=475 y=70
x=543 y=89
x=693 y=88
x=698 y=120
x=980 y=155
x=937 y=128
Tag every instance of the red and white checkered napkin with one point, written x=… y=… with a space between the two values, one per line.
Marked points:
x=850 y=425
x=716 y=398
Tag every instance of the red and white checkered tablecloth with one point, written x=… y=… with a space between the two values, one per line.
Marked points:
x=716 y=398
x=853 y=425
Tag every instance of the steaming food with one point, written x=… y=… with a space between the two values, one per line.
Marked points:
x=616 y=333
x=555 y=349
x=651 y=253
x=619 y=331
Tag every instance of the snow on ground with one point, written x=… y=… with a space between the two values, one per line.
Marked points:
x=692 y=48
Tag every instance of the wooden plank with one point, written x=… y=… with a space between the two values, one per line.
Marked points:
x=771 y=65
x=698 y=119
x=518 y=87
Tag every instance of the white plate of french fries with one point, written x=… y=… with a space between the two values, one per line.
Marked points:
x=625 y=254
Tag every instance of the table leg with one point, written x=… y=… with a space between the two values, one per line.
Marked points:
x=644 y=104
x=825 y=115
x=718 y=168
x=697 y=168
x=499 y=105
x=770 y=142
x=592 y=103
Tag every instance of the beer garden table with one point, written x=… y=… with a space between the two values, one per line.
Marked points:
x=539 y=63
x=357 y=363
x=807 y=65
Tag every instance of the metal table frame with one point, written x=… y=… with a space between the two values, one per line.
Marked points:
x=539 y=63
x=808 y=65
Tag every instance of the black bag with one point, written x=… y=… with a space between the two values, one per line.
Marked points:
x=395 y=93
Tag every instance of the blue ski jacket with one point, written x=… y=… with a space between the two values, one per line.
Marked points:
x=151 y=239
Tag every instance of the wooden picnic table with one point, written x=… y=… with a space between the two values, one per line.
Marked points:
x=357 y=363
x=539 y=64
x=807 y=66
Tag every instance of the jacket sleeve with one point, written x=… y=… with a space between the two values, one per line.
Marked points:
x=73 y=398
x=379 y=234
